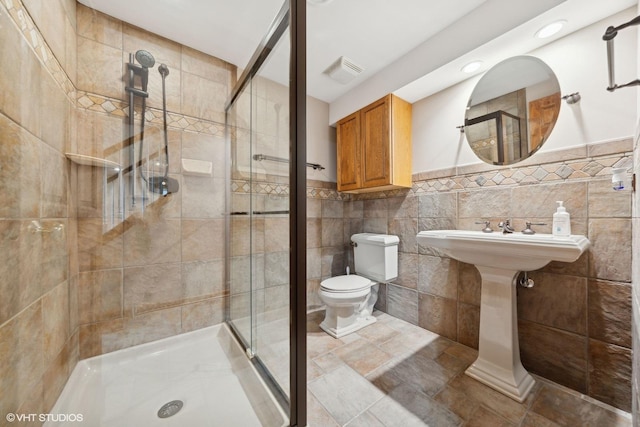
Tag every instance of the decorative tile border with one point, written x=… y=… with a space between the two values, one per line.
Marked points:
x=279 y=189
x=22 y=20
x=116 y=107
x=578 y=169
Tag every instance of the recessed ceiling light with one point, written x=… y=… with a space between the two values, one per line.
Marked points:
x=471 y=67
x=550 y=29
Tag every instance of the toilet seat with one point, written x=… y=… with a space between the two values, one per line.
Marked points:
x=345 y=284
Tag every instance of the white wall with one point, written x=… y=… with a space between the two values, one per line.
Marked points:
x=321 y=141
x=580 y=63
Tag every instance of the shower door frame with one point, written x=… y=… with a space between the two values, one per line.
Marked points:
x=291 y=16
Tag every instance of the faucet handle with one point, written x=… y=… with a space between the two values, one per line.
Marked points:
x=528 y=229
x=487 y=226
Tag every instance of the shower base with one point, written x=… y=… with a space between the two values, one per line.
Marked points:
x=206 y=370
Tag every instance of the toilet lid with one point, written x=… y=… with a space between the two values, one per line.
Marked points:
x=347 y=283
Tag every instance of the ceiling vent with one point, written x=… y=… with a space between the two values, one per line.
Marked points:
x=343 y=70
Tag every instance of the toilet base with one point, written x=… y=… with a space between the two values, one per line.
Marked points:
x=339 y=332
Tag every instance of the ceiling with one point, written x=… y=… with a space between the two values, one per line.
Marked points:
x=411 y=47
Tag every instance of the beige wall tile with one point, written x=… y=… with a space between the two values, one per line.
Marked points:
x=99 y=27
x=604 y=202
x=406 y=230
x=469 y=284
x=202 y=197
x=403 y=207
x=438 y=276
x=54 y=183
x=99 y=135
x=438 y=315
x=549 y=303
x=56 y=107
x=58 y=371
x=276 y=233
x=376 y=208
x=100 y=296
x=438 y=205
x=468 y=324
x=539 y=201
x=610 y=374
x=55 y=320
x=145 y=328
x=610 y=312
x=151 y=241
x=20 y=175
x=202 y=314
x=553 y=354
x=402 y=303
x=314 y=263
x=314 y=232
x=203 y=98
x=202 y=277
x=408 y=267
x=487 y=203
x=23 y=105
x=100 y=69
x=332 y=232
x=98 y=249
x=21 y=356
x=209 y=67
x=332 y=209
x=149 y=288
x=610 y=252
x=203 y=239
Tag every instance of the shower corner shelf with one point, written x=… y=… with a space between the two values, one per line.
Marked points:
x=81 y=159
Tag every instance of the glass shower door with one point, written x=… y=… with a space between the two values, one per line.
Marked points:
x=258 y=129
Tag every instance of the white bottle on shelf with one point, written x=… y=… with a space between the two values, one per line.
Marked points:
x=561 y=221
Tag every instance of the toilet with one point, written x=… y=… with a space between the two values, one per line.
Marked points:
x=350 y=298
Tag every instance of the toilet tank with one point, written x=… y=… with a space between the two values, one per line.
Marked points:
x=375 y=256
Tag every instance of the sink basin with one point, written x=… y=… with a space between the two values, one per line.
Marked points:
x=500 y=258
x=516 y=251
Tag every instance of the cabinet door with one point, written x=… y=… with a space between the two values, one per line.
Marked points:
x=349 y=152
x=376 y=143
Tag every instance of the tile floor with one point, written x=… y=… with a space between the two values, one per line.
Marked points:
x=393 y=373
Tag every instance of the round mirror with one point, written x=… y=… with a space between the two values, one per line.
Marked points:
x=512 y=110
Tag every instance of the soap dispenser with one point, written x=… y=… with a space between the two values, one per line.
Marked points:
x=561 y=221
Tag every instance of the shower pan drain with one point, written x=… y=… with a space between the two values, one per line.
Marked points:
x=170 y=409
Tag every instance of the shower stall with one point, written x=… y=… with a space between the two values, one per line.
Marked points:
x=155 y=270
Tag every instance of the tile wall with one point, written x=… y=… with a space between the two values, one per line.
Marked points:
x=38 y=328
x=160 y=271
x=575 y=324
x=78 y=284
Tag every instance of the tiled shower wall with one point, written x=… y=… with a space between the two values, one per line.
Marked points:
x=575 y=323
x=38 y=331
x=159 y=272
x=76 y=285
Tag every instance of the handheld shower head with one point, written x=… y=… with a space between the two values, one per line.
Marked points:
x=163 y=70
x=145 y=59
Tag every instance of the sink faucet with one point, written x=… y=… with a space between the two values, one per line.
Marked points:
x=505 y=226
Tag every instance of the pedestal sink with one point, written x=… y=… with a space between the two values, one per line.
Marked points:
x=499 y=258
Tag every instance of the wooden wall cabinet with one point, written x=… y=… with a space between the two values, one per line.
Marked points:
x=374 y=147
